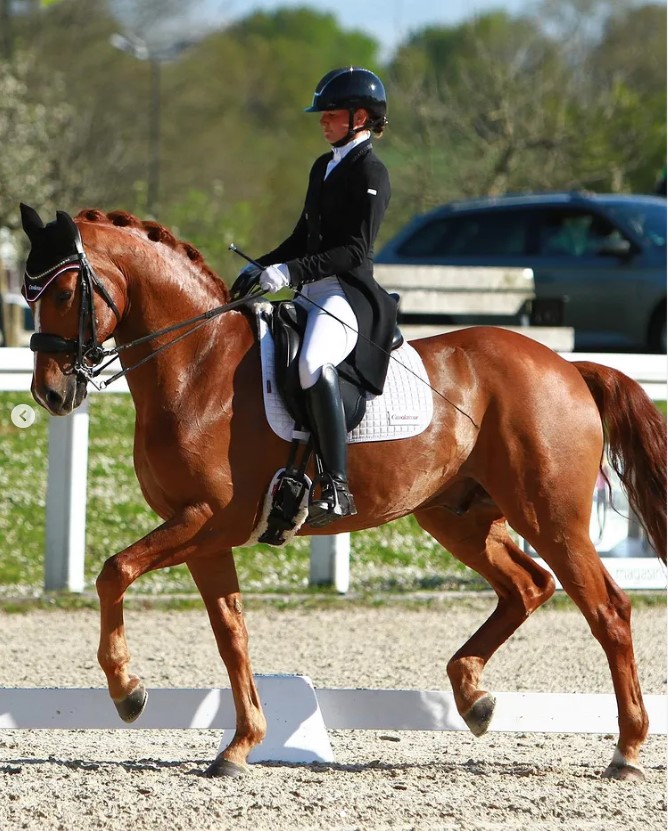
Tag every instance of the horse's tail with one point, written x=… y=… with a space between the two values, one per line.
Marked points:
x=635 y=433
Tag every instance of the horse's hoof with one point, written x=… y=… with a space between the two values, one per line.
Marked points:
x=223 y=767
x=624 y=773
x=132 y=706
x=480 y=715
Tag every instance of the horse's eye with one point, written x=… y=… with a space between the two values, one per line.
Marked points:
x=63 y=296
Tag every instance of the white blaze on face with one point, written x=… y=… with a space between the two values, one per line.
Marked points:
x=35 y=314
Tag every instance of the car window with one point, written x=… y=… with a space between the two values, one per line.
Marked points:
x=423 y=241
x=493 y=233
x=647 y=220
x=574 y=233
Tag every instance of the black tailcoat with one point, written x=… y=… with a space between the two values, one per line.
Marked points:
x=335 y=235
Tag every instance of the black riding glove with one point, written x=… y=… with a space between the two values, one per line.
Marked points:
x=246 y=283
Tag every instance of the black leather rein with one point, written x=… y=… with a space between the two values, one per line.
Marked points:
x=89 y=355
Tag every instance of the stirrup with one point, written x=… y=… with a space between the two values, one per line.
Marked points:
x=335 y=502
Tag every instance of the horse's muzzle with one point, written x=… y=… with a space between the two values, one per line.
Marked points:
x=61 y=399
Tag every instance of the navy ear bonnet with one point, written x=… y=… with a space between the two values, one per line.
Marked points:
x=55 y=248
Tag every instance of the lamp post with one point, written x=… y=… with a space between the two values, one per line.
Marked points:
x=153 y=186
x=6 y=29
x=155 y=56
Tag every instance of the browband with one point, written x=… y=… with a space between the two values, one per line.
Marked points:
x=35 y=286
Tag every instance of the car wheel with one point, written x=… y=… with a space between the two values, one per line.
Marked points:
x=657 y=331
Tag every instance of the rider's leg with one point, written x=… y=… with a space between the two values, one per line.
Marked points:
x=327 y=418
x=331 y=334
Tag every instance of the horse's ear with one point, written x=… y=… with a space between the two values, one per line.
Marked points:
x=70 y=229
x=30 y=220
x=66 y=222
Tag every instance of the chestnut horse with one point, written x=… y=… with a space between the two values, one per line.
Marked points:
x=516 y=439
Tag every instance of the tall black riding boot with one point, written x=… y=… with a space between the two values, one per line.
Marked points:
x=328 y=423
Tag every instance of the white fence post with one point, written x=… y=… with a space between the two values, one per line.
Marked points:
x=66 y=501
x=330 y=562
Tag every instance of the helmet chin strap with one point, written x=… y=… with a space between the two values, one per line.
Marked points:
x=352 y=130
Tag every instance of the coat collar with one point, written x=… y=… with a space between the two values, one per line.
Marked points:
x=352 y=154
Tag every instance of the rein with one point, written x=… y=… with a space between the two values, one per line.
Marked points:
x=205 y=317
x=90 y=355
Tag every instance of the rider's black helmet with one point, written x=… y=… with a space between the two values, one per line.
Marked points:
x=349 y=88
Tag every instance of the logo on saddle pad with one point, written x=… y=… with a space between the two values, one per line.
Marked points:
x=404 y=409
x=403 y=418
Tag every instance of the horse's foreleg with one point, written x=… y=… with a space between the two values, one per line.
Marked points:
x=170 y=544
x=521 y=585
x=216 y=578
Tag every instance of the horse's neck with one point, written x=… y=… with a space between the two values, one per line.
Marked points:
x=157 y=302
x=166 y=290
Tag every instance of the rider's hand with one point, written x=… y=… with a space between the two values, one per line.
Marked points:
x=275 y=277
x=248 y=279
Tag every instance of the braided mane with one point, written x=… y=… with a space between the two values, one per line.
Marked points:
x=153 y=231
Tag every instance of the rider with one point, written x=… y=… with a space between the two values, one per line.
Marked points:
x=328 y=258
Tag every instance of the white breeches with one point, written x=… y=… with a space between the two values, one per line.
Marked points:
x=326 y=340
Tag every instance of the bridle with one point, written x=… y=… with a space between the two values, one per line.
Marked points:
x=89 y=354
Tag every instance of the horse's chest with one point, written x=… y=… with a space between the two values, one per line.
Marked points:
x=171 y=463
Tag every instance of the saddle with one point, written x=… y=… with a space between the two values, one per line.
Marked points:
x=287 y=323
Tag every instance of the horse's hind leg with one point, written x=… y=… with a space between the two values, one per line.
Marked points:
x=216 y=578
x=608 y=612
x=484 y=544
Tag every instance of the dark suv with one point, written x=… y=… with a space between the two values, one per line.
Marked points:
x=604 y=256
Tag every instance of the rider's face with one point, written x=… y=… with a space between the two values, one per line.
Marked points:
x=335 y=123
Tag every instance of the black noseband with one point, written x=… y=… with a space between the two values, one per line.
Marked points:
x=42 y=342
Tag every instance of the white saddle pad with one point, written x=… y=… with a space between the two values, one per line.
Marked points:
x=403 y=410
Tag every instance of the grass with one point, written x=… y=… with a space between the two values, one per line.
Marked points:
x=395 y=559
x=398 y=557
x=318 y=600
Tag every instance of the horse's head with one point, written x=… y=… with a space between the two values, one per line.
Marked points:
x=74 y=311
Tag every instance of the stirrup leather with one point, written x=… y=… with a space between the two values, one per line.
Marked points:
x=335 y=501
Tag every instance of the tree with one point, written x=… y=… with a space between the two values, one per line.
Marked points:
x=236 y=145
x=97 y=160
x=530 y=103
x=245 y=89
x=26 y=138
x=572 y=96
x=627 y=97
x=615 y=51
x=482 y=107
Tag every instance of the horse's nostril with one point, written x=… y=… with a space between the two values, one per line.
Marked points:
x=53 y=399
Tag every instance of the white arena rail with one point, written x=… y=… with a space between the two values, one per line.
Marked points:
x=66 y=490
x=299 y=715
